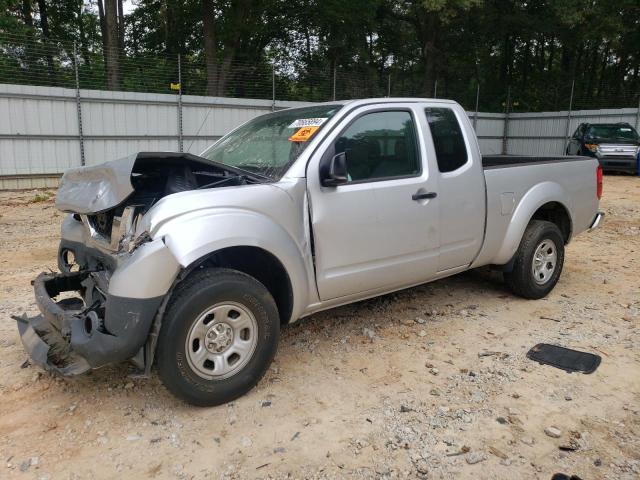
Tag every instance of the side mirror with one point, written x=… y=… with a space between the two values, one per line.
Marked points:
x=334 y=171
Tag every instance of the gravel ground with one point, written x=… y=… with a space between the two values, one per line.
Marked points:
x=431 y=382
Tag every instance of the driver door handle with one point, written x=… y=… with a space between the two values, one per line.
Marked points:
x=423 y=196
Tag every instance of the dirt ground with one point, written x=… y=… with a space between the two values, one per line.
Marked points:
x=430 y=382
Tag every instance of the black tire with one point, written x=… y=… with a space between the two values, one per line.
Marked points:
x=200 y=291
x=522 y=279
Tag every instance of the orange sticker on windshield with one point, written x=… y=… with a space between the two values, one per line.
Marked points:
x=303 y=134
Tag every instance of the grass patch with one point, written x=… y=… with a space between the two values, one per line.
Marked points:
x=42 y=197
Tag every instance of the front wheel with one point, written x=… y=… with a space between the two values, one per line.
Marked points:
x=218 y=337
x=538 y=261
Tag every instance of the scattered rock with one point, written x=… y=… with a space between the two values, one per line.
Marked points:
x=246 y=442
x=568 y=398
x=527 y=440
x=434 y=371
x=501 y=420
x=475 y=457
x=266 y=403
x=24 y=466
x=370 y=334
x=129 y=385
x=498 y=453
x=279 y=450
x=420 y=320
x=553 y=432
x=405 y=408
x=422 y=333
x=422 y=467
x=571 y=446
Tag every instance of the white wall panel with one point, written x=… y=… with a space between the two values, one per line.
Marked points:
x=39 y=127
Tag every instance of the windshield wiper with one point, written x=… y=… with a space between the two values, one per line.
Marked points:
x=250 y=169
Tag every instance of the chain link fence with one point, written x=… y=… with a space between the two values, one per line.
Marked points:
x=31 y=60
x=203 y=103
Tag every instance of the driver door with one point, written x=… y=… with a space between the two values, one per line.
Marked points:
x=379 y=230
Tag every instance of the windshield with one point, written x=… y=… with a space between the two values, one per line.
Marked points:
x=613 y=132
x=269 y=144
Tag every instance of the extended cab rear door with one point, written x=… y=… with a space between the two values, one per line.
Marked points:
x=378 y=231
x=460 y=182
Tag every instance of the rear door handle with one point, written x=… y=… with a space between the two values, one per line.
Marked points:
x=423 y=196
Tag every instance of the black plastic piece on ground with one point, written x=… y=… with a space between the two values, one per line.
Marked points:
x=564 y=476
x=564 y=358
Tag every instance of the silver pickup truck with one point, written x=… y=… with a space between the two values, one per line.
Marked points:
x=195 y=262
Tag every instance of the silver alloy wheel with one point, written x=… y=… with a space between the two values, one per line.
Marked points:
x=221 y=340
x=544 y=262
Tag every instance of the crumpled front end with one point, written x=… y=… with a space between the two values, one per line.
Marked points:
x=88 y=330
x=114 y=275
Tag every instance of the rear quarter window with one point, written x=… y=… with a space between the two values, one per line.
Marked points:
x=451 y=151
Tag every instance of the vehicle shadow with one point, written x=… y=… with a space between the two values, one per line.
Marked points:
x=444 y=294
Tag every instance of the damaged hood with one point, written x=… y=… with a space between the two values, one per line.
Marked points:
x=94 y=189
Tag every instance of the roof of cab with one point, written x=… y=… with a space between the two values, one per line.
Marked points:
x=369 y=101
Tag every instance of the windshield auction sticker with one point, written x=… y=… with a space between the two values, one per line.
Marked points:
x=307 y=122
x=304 y=134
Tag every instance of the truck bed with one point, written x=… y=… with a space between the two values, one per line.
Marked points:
x=503 y=161
x=571 y=180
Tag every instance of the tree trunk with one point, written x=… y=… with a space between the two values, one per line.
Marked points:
x=44 y=24
x=225 y=68
x=239 y=11
x=427 y=28
x=120 y=26
x=111 y=45
x=26 y=13
x=210 y=47
x=103 y=32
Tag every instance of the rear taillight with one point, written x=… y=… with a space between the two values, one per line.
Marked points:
x=599 y=182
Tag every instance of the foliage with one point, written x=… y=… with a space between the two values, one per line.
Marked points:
x=530 y=50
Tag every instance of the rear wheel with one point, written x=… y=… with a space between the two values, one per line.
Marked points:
x=218 y=337
x=538 y=262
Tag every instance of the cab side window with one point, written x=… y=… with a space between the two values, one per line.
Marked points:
x=380 y=145
x=451 y=151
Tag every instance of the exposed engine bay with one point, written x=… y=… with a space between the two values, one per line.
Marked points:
x=110 y=198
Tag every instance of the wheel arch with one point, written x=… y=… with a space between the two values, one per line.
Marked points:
x=257 y=263
x=545 y=201
x=223 y=237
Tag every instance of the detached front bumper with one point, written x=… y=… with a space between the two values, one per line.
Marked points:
x=73 y=335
